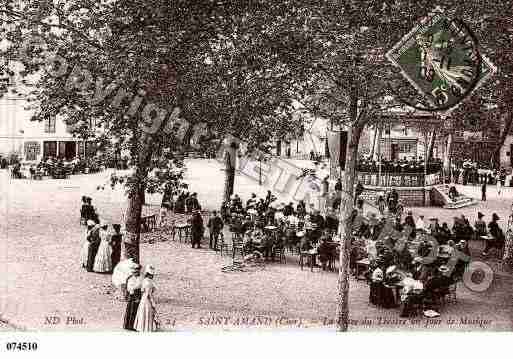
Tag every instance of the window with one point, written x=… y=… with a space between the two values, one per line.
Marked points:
x=406 y=147
x=32 y=150
x=50 y=125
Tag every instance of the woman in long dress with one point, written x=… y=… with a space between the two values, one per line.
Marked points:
x=133 y=286
x=85 y=246
x=103 y=260
x=115 y=242
x=145 y=319
x=93 y=237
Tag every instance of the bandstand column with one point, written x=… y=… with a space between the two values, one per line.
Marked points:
x=379 y=154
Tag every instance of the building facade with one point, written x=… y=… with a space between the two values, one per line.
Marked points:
x=31 y=140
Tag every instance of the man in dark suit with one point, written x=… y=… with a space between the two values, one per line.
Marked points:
x=215 y=226
x=197 y=229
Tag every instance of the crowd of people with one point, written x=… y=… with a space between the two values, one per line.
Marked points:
x=471 y=173
x=264 y=225
x=101 y=253
x=180 y=200
x=55 y=168
x=421 y=258
x=268 y=226
x=411 y=165
x=412 y=262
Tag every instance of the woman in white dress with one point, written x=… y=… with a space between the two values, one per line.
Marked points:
x=145 y=318
x=85 y=246
x=103 y=261
x=499 y=184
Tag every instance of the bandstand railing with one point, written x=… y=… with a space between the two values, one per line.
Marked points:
x=392 y=179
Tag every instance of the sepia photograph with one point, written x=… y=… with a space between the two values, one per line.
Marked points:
x=204 y=166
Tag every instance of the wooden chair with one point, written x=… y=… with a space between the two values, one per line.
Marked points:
x=237 y=246
x=451 y=296
x=184 y=232
x=148 y=223
x=331 y=263
x=279 y=254
x=309 y=260
x=170 y=229
x=222 y=245
x=236 y=235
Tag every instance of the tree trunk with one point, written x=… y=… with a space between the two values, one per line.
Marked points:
x=346 y=207
x=432 y=140
x=136 y=199
x=229 y=179
x=374 y=139
x=228 y=183
x=133 y=226
x=508 y=124
x=376 y=154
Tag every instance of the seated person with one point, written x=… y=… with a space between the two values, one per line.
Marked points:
x=332 y=223
x=480 y=226
x=462 y=246
x=468 y=231
x=497 y=236
x=411 y=296
x=305 y=244
x=236 y=224
x=404 y=259
x=418 y=270
x=267 y=245
x=453 y=193
x=371 y=249
x=325 y=251
x=391 y=279
x=357 y=253
x=247 y=224
x=444 y=234
x=424 y=248
x=437 y=285
x=376 y=284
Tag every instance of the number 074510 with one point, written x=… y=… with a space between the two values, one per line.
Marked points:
x=21 y=346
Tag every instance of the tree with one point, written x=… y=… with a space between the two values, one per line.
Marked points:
x=148 y=72
x=235 y=65
x=341 y=45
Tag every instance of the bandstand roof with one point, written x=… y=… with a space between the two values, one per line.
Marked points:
x=402 y=115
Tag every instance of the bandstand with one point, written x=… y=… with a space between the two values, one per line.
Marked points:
x=415 y=189
x=421 y=186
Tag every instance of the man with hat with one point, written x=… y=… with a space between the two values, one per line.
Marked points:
x=480 y=226
x=215 y=226
x=197 y=229
x=376 y=283
x=497 y=235
x=410 y=221
x=421 y=225
x=483 y=191
x=437 y=286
